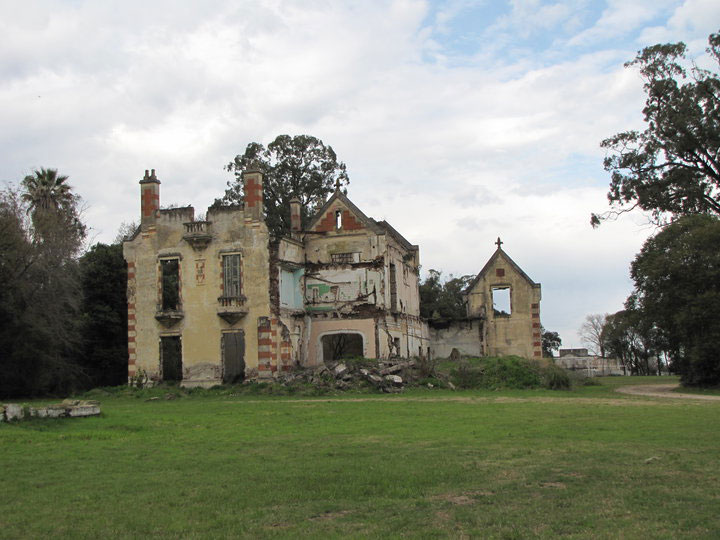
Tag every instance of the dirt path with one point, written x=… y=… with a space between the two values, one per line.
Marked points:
x=663 y=391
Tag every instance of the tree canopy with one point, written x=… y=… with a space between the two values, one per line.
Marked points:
x=551 y=341
x=671 y=168
x=301 y=166
x=63 y=323
x=677 y=294
x=443 y=298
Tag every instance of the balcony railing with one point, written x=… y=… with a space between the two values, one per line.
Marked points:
x=232 y=308
x=198 y=234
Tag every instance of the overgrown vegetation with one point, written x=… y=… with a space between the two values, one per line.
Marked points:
x=510 y=372
x=61 y=314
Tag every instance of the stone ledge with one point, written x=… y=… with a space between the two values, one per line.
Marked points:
x=69 y=408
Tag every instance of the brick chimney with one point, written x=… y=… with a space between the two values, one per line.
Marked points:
x=149 y=199
x=253 y=186
x=295 y=221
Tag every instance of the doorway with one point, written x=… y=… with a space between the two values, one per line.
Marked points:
x=171 y=358
x=233 y=355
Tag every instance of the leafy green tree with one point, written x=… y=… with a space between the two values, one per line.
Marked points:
x=301 y=166
x=677 y=293
x=632 y=339
x=551 y=341
x=673 y=167
x=104 y=315
x=39 y=301
x=443 y=299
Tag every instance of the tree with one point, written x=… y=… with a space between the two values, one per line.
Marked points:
x=673 y=167
x=632 y=339
x=45 y=190
x=104 y=315
x=443 y=299
x=551 y=341
x=592 y=333
x=677 y=293
x=39 y=299
x=300 y=166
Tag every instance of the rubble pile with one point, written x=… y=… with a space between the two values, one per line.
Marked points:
x=386 y=376
x=67 y=408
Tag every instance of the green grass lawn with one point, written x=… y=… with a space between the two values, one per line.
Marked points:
x=505 y=464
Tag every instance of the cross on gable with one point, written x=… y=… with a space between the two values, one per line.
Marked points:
x=499 y=242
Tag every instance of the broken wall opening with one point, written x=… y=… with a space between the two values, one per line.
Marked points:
x=501 y=301
x=170 y=269
x=171 y=358
x=341 y=345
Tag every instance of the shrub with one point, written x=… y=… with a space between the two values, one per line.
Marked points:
x=555 y=378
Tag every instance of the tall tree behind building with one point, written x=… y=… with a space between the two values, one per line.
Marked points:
x=301 y=166
x=104 y=315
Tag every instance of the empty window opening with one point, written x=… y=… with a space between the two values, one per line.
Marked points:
x=170 y=284
x=171 y=358
x=393 y=288
x=338 y=219
x=396 y=347
x=339 y=346
x=233 y=354
x=501 y=301
x=232 y=286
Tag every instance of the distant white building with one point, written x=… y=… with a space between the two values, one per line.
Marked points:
x=592 y=365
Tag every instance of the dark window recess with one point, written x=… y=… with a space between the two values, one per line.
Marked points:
x=396 y=346
x=345 y=258
x=170 y=284
x=501 y=301
x=171 y=358
x=500 y=272
x=233 y=349
x=338 y=346
x=232 y=286
x=393 y=288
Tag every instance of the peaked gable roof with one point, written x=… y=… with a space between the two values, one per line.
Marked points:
x=498 y=253
x=399 y=238
x=359 y=215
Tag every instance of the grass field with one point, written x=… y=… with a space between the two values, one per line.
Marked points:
x=503 y=464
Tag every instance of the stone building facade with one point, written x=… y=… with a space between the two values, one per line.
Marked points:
x=218 y=299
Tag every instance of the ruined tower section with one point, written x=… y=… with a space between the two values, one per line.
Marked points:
x=508 y=302
x=197 y=289
x=361 y=291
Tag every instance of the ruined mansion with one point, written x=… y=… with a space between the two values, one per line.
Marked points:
x=219 y=300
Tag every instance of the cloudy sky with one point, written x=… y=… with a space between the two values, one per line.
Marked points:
x=459 y=121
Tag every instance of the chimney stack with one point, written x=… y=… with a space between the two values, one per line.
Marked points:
x=149 y=199
x=295 y=222
x=253 y=187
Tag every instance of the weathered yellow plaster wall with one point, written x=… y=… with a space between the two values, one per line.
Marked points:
x=200 y=287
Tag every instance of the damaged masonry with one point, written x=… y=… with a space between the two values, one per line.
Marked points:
x=219 y=300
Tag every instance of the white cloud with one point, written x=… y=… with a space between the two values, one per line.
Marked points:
x=452 y=156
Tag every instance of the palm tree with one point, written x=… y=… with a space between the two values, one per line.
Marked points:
x=45 y=190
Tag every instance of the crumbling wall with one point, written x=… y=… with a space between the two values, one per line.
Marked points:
x=465 y=335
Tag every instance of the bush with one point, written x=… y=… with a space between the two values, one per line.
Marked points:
x=508 y=372
x=555 y=378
